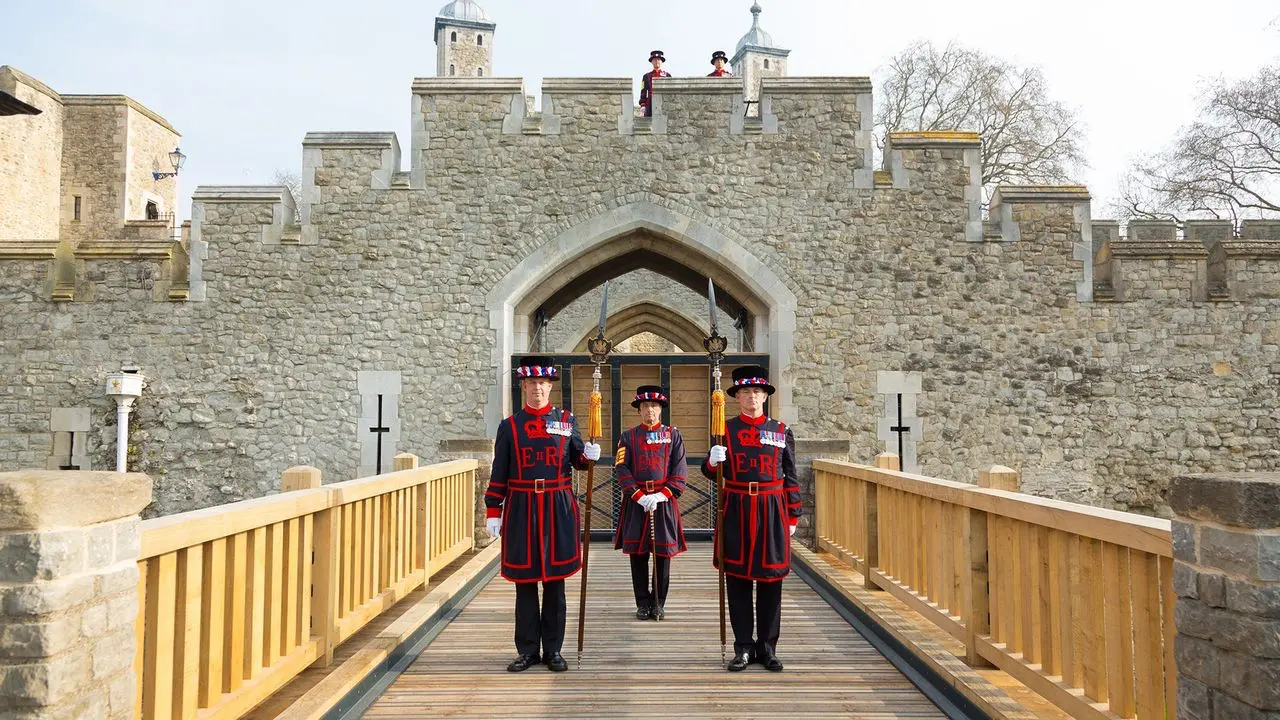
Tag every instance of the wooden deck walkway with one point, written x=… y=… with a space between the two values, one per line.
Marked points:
x=650 y=669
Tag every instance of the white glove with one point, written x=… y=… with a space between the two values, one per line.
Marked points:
x=591 y=451
x=717 y=455
x=494 y=526
x=650 y=502
x=793 y=530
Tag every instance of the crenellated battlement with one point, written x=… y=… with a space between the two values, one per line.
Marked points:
x=603 y=107
x=1208 y=261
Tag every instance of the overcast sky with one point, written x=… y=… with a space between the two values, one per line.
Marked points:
x=244 y=80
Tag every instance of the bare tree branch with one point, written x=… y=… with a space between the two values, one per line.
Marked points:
x=291 y=180
x=1026 y=136
x=1225 y=164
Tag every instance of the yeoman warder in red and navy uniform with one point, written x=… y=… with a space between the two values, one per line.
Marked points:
x=651 y=472
x=761 y=509
x=531 y=504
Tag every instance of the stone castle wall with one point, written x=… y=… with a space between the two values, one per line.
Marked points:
x=30 y=161
x=1089 y=398
x=150 y=142
x=93 y=167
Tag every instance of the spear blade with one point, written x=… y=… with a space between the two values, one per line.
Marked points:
x=604 y=311
x=711 y=302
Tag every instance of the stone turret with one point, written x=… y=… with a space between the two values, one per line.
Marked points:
x=757 y=57
x=464 y=40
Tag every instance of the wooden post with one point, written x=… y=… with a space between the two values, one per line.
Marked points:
x=977 y=587
x=301 y=477
x=325 y=566
x=404 y=461
x=1000 y=477
x=871 y=541
x=870 y=501
x=888 y=461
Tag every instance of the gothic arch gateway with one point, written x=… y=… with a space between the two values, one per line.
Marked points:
x=671 y=234
x=649 y=316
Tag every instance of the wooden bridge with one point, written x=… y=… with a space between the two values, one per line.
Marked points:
x=925 y=599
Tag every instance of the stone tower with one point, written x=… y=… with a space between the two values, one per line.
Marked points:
x=757 y=57
x=464 y=40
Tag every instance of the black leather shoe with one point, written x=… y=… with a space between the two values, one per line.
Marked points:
x=643 y=612
x=556 y=663
x=740 y=662
x=659 y=613
x=771 y=663
x=522 y=663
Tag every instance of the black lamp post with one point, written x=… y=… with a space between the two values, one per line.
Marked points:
x=176 y=159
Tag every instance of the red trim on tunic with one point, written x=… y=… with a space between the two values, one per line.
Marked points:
x=753 y=420
x=538 y=411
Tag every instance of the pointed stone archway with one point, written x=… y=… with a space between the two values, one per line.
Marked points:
x=618 y=233
x=661 y=320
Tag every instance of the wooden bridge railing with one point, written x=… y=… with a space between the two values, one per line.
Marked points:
x=1075 y=602
x=238 y=599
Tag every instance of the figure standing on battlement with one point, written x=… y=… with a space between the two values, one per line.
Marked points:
x=531 y=505
x=656 y=58
x=761 y=509
x=652 y=474
x=718 y=59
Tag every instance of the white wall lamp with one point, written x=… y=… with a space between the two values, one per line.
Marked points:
x=125 y=386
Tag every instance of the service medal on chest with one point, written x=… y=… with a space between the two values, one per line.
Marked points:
x=773 y=439
x=658 y=437
x=556 y=427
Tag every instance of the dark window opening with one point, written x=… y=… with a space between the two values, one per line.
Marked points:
x=479 y=72
x=75 y=208
x=766 y=64
x=453 y=37
x=451 y=71
x=480 y=40
x=153 y=210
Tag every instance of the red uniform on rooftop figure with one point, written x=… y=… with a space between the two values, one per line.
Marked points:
x=719 y=59
x=656 y=58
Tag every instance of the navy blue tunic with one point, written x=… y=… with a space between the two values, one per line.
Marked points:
x=650 y=460
x=762 y=498
x=531 y=489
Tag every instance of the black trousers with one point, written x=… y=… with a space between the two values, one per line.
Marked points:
x=768 y=615
x=540 y=628
x=640 y=579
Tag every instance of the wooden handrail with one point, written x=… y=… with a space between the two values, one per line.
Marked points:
x=1076 y=602
x=238 y=599
x=1140 y=532
x=174 y=532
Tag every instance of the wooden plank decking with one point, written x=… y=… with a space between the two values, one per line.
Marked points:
x=632 y=668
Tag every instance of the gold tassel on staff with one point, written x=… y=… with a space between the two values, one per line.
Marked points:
x=595 y=427
x=717 y=413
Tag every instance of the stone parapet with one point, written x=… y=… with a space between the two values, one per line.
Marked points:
x=1152 y=262
x=69 y=544
x=1260 y=230
x=1226 y=547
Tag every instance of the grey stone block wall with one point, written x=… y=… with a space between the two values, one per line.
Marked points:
x=1092 y=402
x=1226 y=544
x=69 y=544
